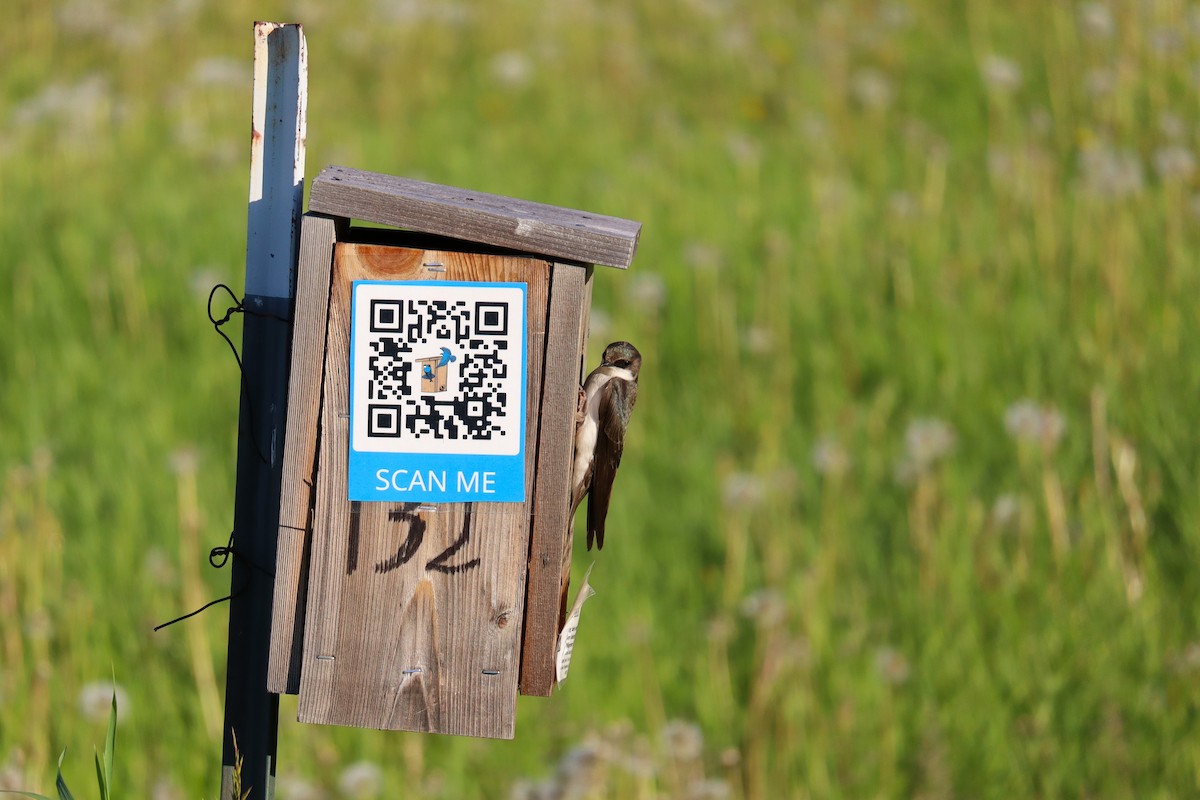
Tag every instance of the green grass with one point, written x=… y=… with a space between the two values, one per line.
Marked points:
x=857 y=215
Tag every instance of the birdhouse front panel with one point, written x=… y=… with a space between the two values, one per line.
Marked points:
x=415 y=605
x=424 y=536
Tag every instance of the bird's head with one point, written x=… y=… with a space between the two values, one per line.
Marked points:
x=622 y=355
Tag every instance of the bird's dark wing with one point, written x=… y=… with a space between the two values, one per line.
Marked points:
x=616 y=401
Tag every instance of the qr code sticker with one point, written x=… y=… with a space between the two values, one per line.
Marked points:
x=438 y=367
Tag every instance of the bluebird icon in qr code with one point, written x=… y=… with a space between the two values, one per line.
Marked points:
x=435 y=371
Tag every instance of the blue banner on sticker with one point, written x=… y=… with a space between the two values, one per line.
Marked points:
x=437 y=391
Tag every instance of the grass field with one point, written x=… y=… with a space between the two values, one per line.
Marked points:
x=910 y=506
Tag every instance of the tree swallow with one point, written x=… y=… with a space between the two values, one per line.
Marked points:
x=606 y=399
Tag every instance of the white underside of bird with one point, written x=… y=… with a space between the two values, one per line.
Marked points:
x=585 y=437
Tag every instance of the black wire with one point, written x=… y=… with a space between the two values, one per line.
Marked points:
x=239 y=307
x=218 y=557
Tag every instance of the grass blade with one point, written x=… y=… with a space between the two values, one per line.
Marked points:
x=60 y=784
x=101 y=778
x=110 y=745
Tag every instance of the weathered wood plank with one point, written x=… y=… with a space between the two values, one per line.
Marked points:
x=550 y=542
x=390 y=640
x=317 y=237
x=476 y=216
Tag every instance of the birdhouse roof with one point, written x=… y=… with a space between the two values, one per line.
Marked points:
x=475 y=216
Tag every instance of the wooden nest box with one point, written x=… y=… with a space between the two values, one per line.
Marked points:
x=425 y=498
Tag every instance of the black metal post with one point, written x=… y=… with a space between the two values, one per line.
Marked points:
x=276 y=198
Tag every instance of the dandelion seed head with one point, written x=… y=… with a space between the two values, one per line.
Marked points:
x=156 y=565
x=90 y=17
x=766 y=607
x=1026 y=421
x=512 y=69
x=871 y=88
x=891 y=666
x=202 y=281
x=165 y=789
x=1000 y=74
x=719 y=630
x=703 y=256
x=599 y=324
x=682 y=741
x=220 y=71
x=1175 y=163
x=292 y=787
x=95 y=701
x=1096 y=21
x=829 y=457
x=184 y=461
x=1005 y=512
x=362 y=779
x=743 y=149
x=1099 y=82
x=647 y=292
x=757 y=340
x=743 y=490
x=1188 y=659
x=902 y=206
x=1165 y=41
x=1109 y=172
x=578 y=767
x=42 y=461
x=928 y=440
x=708 y=789
x=1172 y=126
x=39 y=626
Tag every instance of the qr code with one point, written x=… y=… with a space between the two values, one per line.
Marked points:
x=438 y=366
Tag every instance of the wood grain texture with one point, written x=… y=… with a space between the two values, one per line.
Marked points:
x=317 y=237
x=476 y=216
x=414 y=612
x=550 y=540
